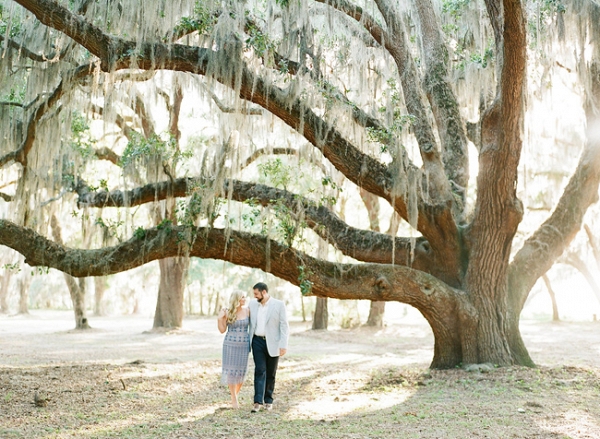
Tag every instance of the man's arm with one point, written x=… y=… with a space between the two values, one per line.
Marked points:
x=283 y=330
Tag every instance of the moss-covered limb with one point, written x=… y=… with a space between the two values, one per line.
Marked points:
x=107 y=154
x=64 y=86
x=360 y=16
x=24 y=51
x=363 y=245
x=55 y=15
x=437 y=187
x=342 y=281
x=443 y=102
x=261 y=152
x=395 y=42
x=118 y=121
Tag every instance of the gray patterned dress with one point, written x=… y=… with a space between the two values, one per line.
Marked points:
x=236 y=347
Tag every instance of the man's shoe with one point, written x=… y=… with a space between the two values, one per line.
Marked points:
x=256 y=408
x=268 y=406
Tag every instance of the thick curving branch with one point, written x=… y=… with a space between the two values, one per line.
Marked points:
x=360 y=244
x=342 y=281
x=358 y=14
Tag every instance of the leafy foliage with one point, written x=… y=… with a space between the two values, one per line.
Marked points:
x=202 y=21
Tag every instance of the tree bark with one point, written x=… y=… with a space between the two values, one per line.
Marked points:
x=23 y=287
x=4 y=284
x=169 y=306
x=76 y=289
x=99 y=290
x=555 y=316
x=321 y=314
x=376 y=313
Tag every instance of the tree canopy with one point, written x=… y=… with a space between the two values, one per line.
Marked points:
x=239 y=123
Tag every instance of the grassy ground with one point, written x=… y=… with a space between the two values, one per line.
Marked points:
x=325 y=392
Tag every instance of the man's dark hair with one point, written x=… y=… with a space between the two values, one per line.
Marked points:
x=261 y=286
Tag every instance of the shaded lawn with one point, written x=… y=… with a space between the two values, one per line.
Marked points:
x=315 y=398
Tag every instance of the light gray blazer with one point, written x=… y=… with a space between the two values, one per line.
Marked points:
x=276 y=329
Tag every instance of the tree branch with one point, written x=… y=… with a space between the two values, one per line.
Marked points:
x=268 y=151
x=6 y=197
x=363 y=245
x=225 y=109
x=593 y=244
x=20 y=155
x=359 y=15
x=24 y=50
x=108 y=154
x=326 y=279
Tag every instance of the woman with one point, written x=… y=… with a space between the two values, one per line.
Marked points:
x=236 y=346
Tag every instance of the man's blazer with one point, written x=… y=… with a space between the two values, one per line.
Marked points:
x=276 y=328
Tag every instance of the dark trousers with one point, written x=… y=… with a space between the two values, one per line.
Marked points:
x=265 y=368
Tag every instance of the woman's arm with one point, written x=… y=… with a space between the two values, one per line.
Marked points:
x=222 y=321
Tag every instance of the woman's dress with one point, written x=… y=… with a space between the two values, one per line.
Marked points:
x=236 y=347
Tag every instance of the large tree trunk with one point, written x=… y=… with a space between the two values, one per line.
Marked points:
x=169 y=306
x=321 y=315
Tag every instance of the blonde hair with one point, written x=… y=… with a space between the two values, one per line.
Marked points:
x=234 y=301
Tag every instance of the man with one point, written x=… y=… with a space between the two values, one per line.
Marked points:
x=269 y=335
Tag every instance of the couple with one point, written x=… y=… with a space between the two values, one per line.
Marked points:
x=261 y=327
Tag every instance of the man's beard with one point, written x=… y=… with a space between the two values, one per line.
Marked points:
x=262 y=296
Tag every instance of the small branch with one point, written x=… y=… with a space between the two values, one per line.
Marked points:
x=268 y=151
x=25 y=51
x=11 y=104
x=2 y=186
x=6 y=197
x=225 y=109
x=119 y=121
x=108 y=154
x=58 y=197
x=145 y=75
